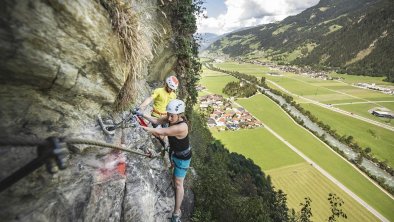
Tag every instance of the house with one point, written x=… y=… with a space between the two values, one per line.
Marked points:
x=221 y=121
x=204 y=105
x=211 y=122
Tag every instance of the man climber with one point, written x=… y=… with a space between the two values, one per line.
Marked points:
x=161 y=97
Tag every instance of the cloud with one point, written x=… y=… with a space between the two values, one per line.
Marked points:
x=244 y=13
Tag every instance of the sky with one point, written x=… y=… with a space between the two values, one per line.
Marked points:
x=228 y=15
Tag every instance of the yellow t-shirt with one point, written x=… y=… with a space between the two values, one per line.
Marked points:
x=161 y=98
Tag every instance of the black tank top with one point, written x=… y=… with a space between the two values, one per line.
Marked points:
x=179 y=144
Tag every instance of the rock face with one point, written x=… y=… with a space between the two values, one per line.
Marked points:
x=62 y=64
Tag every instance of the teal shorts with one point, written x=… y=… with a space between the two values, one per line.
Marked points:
x=180 y=166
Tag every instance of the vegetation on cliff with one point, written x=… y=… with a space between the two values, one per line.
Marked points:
x=188 y=67
x=126 y=24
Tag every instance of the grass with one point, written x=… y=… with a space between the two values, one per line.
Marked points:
x=324 y=91
x=259 y=145
x=301 y=180
x=126 y=23
x=246 y=68
x=275 y=118
x=215 y=81
x=380 y=140
x=272 y=115
x=356 y=79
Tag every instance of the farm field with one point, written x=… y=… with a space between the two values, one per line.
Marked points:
x=258 y=70
x=230 y=137
x=215 y=81
x=362 y=110
x=302 y=180
x=327 y=92
x=355 y=79
x=316 y=86
x=246 y=68
x=343 y=89
x=290 y=172
x=380 y=140
x=260 y=145
x=272 y=115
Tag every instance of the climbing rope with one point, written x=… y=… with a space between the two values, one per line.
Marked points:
x=69 y=141
x=52 y=152
x=97 y=143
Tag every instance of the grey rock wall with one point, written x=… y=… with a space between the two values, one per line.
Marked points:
x=61 y=64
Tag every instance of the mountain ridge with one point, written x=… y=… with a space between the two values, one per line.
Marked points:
x=349 y=36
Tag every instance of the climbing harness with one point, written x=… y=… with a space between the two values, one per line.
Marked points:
x=52 y=152
x=132 y=120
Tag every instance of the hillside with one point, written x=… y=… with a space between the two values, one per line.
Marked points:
x=352 y=36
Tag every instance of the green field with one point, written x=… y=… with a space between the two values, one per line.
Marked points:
x=356 y=79
x=273 y=162
x=246 y=68
x=272 y=115
x=215 y=81
x=324 y=91
x=261 y=146
x=380 y=140
x=290 y=172
x=258 y=70
x=301 y=180
x=306 y=86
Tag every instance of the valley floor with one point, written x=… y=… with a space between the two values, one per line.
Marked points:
x=299 y=163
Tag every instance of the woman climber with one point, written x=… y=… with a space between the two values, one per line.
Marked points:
x=180 y=152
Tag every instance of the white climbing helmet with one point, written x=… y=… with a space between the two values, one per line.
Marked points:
x=172 y=82
x=175 y=106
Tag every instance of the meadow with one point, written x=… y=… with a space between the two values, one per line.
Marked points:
x=215 y=81
x=362 y=110
x=260 y=145
x=324 y=91
x=303 y=180
x=380 y=140
x=290 y=172
x=273 y=116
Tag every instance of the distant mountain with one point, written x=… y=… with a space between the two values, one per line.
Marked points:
x=208 y=39
x=352 y=36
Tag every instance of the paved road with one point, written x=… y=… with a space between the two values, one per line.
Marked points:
x=326 y=174
x=335 y=109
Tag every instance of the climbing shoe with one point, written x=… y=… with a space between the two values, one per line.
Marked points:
x=176 y=217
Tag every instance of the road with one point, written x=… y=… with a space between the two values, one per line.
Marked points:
x=391 y=128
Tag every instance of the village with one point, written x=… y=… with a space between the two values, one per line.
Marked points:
x=225 y=117
x=373 y=86
x=304 y=71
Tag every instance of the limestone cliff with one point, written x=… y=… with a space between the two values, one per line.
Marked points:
x=62 y=64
